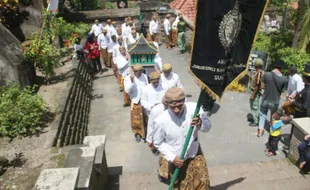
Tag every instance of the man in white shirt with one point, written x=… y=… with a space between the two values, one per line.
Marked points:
x=124 y=24
x=295 y=83
x=110 y=48
x=122 y=63
x=133 y=87
x=170 y=79
x=133 y=37
x=96 y=28
x=154 y=29
x=156 y=111
x=174 y=31
x=104 y=41
x=113 y=28
x=153 y=93
x=108 y=27
x=172 y=128
x=115 y=54
x=167 y=27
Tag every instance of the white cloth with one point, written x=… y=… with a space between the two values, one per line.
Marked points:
x=111 y=46
x=122 y=65
x=157 y=59
x=124 y=25
x=116 y=52
x=96 y=29
x=167 y=26
x=154 y=27
x=295 y=84
x=126 y=31
x=134 y=89
x=113 y=30
x=103 y=41
x=173 y=80
x=175 y=23
x=78 y=47
x=132 y=39
x=108 y=28
x=152 y=96
x=172 y=130
x=156 y=111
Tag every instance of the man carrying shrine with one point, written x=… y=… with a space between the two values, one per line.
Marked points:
x=134 y=83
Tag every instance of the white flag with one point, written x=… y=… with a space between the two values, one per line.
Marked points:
x=53 y=6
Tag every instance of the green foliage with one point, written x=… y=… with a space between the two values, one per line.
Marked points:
x=109 y=5
x=294 y=57
x=66 y=30
x=84 y=5
x=279 y=46
x=21 y=111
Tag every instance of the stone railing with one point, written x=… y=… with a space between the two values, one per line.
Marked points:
x=73 y=121
x=300 y=128
x=85 y=169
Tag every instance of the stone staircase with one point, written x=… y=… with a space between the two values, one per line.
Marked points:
x=274 y=175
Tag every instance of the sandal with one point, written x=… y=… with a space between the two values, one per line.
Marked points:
x=302 y=164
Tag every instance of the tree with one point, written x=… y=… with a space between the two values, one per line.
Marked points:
x=301 y=35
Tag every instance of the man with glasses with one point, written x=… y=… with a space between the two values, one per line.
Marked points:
x=170 y=79
x=172 y=128
x=133 y=87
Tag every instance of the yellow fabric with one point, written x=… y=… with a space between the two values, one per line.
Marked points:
x=154 y=75
x=276 y=132
x=137 y=67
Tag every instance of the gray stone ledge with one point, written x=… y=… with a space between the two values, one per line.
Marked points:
x=303 y=124
x=58 y=179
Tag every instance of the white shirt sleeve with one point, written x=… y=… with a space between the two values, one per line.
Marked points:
x=205 y=122
x=299 y=84
x=159 y=142
x=128 y=84
x=144 y=101
x=150 y=127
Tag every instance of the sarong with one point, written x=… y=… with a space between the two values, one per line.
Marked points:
x=155 y=37
x=168 y=40
x=164 y=167
x=105 y=55
x=126 y=97
x=110 y=60
x=137 y=120
x=174 y=36
x=193 y=175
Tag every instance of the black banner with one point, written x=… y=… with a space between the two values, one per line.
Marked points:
x=257 y=55
x=224 y=33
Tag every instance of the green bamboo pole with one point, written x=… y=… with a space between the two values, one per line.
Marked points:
x=188 y=137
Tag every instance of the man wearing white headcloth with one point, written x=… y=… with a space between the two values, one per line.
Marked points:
x=172 y=127
x=169 y=78
x=134 y=83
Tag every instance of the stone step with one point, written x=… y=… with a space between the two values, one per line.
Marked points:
x=275 y=184
x=253 y=167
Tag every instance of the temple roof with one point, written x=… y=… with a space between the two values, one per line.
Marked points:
x=186 y=7
x=142 y=47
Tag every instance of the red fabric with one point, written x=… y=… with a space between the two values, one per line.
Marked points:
x=93 y=52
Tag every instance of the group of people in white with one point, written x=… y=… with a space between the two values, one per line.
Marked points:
x=159 y=114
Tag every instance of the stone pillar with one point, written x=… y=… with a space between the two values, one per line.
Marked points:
x=83 y=158
x=100 y=164
x=57 y=179
x=300 y=128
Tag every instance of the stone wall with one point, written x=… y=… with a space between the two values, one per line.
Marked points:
x=13 y=68
x=73 y=122
x=85 y=169
x=300 y=128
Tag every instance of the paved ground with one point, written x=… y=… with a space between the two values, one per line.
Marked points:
x=230 y=141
